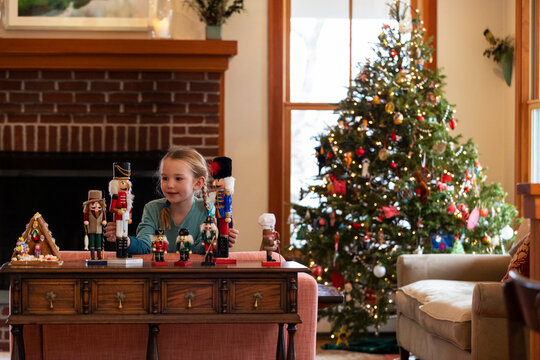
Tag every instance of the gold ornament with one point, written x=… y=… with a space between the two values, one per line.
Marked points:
x=383 y=154
x=390 y=107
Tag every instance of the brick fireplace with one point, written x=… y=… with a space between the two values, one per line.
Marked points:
x=70 y=107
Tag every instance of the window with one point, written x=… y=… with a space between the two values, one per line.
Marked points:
x=314 y=49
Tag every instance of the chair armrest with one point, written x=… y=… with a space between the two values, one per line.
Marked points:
x=488 y=300
x=466 y=267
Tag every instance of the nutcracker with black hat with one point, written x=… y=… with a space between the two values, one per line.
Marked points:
x=95 y=220
x=159 y=247
x=208 y=236
x=221 y=168
x=121 y=205
x=184 y=243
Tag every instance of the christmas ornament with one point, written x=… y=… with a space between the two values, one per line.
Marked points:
x=439 y=148
x=393 y=53
x=451 y=209
x=360 y=152
x=370 y=296
x=380 y=238
x=473 y=219
x=405 y=193
x=337 y=280
x=420 y=118
x=458 y=247
x=484 y=212
x=398 y=118
x=347 y=291
x=342 y=337
x=431 y=97
x=507 y=233
x=383 y=154
x=452 y=123
x=422 y=189
x=319 y=224
x=486 y=240
x=390 y=211
x=379 y=270
x=393 y=165
x=317 y=270
x=365 y=168
x=376 y=100
x=390 y=107
x=332 y=218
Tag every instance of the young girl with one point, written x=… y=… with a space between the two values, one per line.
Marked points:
x=183 y=172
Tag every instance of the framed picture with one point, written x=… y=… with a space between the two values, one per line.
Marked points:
x=124 y=15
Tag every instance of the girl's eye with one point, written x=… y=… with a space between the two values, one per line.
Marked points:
x=178 y=179
x=163 y=178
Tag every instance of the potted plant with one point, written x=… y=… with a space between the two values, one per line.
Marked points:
x=214 y=13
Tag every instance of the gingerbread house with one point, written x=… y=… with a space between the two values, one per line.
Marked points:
x=36 y=245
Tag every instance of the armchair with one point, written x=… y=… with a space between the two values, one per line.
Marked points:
x=451 y=306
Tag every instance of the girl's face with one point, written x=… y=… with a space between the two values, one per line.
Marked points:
x=177 y=181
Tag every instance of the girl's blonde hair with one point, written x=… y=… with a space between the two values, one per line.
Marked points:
x=199 y=169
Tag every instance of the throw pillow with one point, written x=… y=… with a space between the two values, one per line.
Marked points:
x=523 y=232
x=520 y=261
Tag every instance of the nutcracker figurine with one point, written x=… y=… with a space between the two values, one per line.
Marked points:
x=224 y=184
x=94 y=223
x=270 y=238
x=209 y=234
x=184 y=243
x=159 y=247
x=121 y=203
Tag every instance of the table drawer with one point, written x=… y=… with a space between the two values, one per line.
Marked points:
x=256 y=297
x=189 y=297
x=50 y=296
x=120 y=296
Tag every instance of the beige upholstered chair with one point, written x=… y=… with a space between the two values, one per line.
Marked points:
x=452 y=307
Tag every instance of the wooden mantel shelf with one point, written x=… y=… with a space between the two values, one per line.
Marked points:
x=117 y=54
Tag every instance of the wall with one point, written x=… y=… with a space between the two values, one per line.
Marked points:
x=484 y=103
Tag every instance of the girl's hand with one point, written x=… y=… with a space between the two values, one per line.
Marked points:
x=233 y=236
x=110 y=231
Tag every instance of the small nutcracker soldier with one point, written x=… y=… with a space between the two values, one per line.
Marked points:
x=184 y=244
x=159 y=247
x=121 y=203
x=270 y=238
x=224 y=184
x=209 y=234
x=94 y=222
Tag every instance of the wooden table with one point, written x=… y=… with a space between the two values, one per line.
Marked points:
x=328 y=296
x=75 y=294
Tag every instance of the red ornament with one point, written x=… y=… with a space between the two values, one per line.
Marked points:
x=393 y=165
x=360 y=152
x=393 y=53
x=371 y=297
x=452 y=124
x=317 y=270
x=420 y=118
x=356 y=226
x=337 y=280
x=447 y=179
x=393 y=136
x=462 y=207
x=484 y=212
x=330 y=155
x=451 y=209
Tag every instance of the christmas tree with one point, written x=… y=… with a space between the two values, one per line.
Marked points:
x=394 y=179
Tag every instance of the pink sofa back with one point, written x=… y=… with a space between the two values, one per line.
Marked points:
x=176 y=341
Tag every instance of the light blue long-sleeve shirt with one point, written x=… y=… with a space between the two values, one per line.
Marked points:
x=142 y=244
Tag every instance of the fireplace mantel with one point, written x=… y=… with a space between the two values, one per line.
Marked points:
x=117 y=54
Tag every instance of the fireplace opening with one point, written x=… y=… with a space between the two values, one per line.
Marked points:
x=56 y=185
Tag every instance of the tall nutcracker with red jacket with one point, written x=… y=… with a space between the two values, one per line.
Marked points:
x=224 y=184
x=121 y=204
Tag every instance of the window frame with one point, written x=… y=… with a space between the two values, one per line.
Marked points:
x=280 y=107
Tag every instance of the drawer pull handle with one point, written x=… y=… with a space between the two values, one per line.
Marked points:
x=257 y=297
x=120 y=297
x=189 y=297
x=51 y=297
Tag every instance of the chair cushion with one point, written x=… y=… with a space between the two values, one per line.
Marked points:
x=442 y=307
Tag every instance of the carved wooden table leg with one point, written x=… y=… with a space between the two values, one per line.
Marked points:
x=18 y=342
x=280 y=351
x=152 y=352
x=291 y=351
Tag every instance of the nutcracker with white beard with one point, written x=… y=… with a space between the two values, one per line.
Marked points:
x=121 y=205
x=209 y=233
